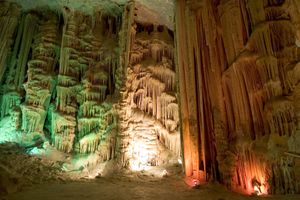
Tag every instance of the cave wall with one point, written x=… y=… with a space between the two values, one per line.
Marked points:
x=149 y=118
x=100 y=82
x=106 y=82
x=239 y=92
x=60 y=73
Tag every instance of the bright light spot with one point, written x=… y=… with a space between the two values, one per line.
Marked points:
x=35 y=151
x=179 y=161
x=91 y=177
x=141 y=157
x=257 y=190
x=195 y=182
x=259 y=187
x=164 y=173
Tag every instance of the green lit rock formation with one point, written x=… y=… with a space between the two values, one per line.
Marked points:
x=92 y=79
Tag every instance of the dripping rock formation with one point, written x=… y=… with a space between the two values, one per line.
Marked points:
x=63 y=82
x=239 y=92
x=149 y=119
x=138 y=85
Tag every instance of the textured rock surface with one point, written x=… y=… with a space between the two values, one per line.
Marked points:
x=239 y=64
x=19 y=170
x=149 y=119
x=58 y=76
x=158 y=12
x=62 y=71
x=99 y=78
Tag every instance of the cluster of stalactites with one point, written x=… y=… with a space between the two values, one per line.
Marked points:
x=259 y=73
x=86 y=77
x=151 y=98
x=246 y=75
x=259 y=84
x=154 y=84
x=155 y=49
x=149 y=116
x=96 y=130
x=9 y=16
x=41 y=68
x=63 y=134
x=66 y=70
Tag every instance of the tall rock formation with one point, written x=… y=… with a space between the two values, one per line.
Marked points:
x=60 y=76
x=90 y=81
x=240 y=57
x=149 y=119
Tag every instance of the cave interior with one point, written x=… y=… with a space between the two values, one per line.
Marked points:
x=100 y=87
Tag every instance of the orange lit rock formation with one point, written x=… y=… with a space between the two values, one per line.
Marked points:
x=238 y=72
x=118 y=80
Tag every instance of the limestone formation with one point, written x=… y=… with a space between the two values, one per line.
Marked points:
x=89 y=82
x=58 y=76
x=218 y=86
x=149 y=120
x=238 y=69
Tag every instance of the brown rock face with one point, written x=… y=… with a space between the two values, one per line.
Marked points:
x=238 y=67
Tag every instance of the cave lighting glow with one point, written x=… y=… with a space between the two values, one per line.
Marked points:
x=140 y=157
x=257 y=186
x=257 y=190
x=179 y=161
x=260 y=190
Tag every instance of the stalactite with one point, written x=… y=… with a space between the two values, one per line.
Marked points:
x=280 y=116
x=9 y=24
x=149 y=119
x=8 y=102
x=40 y=84
x=253 y=59
x=30 y=26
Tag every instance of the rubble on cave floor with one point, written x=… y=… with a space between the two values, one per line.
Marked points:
x=23 y=168
x=19 y=170
x=40 y=176
x=131 y=185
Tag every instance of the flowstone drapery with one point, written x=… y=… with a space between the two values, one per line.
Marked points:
x=149 y=118
x=241 y=77
x=69 y=76
x=100 y=79
x=59 y=79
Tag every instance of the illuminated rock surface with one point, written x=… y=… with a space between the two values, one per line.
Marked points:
x=239 y=64
x=149 y=119
x=64 y=83
x=103 y=88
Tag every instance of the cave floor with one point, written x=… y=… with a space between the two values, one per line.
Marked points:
x=135 y=187
x=39 y=179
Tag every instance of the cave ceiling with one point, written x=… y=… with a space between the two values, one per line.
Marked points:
x=158 y=11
